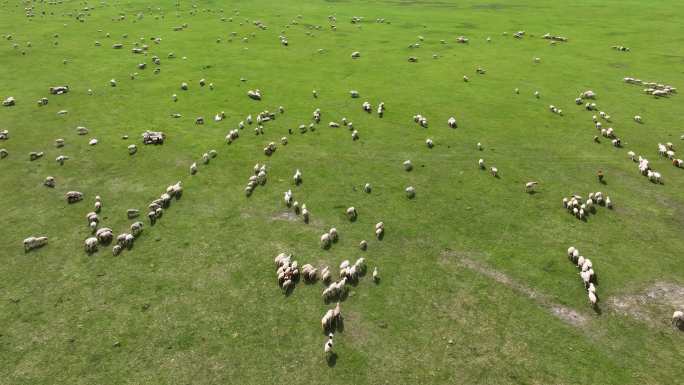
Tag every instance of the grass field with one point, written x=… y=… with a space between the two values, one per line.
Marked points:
x=475 y=285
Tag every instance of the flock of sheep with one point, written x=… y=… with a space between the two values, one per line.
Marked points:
x=288 y=271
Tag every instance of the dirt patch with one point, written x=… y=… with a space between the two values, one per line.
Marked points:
x=353 y=327
x=285 y=216
x=653 y=306
x=564 y=313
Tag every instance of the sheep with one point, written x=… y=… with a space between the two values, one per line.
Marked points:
x=479 y=146
x=429 y=143
x=355 y=135
x=678 y=319
x=356 y=55
x=136 y=229
x=367 y=188
x=494 y=171
x=351 y=213
x=529 y=186
x=410 y=192
x=35 y=155
x=73 y=196
x=363 y=245
x=297 y=178
x=379 y=230
x=481 y=163
x=451 y=122
x=592 y=298
x=465 y=79
x=32 y=243
x=193 y=168
x=637 y=118
x=325 y=241
x=49 y=182
x=9 y=102
x=305 y=214
x=104 y=235
x=408 y=166
x=366 y=106
x=90 y=245
x=376 y=277
x=328 y=347
x=333 y=234
x=310 y=273
x=325 y=275
x=254 y=94
x=287 y=197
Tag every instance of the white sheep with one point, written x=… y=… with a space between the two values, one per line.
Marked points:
x=297 y=178
x=367 y=188
x=494 y=171
x=410 y=192
x=31 y=243
x=452 y=122
x=408 y=166
x=529 y=186
x=429 y=143
x=481 y=163
x=193 y=169
x=325 y=241
x=351 y=213
x=678 y=319
x=333 y=234
x=91 y=245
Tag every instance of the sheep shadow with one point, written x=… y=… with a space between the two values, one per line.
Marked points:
x=532 y=192
x=597 y=309
x=331 y=360
x=603 y=182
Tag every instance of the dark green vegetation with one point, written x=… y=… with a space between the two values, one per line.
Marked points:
x=196 y=300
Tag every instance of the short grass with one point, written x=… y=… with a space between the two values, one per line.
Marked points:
x=196 y=300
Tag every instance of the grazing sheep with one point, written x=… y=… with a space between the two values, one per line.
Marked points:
x=73 y=196
x=305 y=214
x=90 y=245
x=49 y=182
x=333 y=234
x=193 y=169
x=136 y=229
x=355 y=135
x=376 y=277
x=10 y=101
x=367 y=188
x=104 y=235
x=592 y=298
x=529 y=186
x=410 y=192
x=325 y=275
x=379 y=230
x=297 y=178
x=637 y=118
x=429 y=143
x=116 y=249
x=35 y=155
x=481 y=163
x=351 y=213
x=363 y=245
x=325 y=241
x=32 y=243
x=494 y=171
x=408 y=166
x=678 y=319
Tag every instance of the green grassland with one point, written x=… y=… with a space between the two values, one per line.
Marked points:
x=196 y=301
